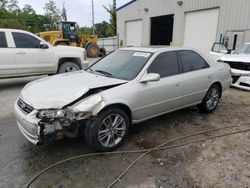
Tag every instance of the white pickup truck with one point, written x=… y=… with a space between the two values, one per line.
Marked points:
x=25 y=54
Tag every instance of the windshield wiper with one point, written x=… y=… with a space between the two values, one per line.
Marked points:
x=104 y=73
x=90 y=69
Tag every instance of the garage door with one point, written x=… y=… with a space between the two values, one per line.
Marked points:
x=200 y=29
x=134 y=33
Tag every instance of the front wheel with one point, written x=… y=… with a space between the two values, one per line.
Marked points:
x=108 y=130
x=68 y=67
x=211 y=99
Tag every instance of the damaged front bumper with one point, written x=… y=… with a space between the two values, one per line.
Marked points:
x=241 y=79
x=39 y=131
x=28 y=125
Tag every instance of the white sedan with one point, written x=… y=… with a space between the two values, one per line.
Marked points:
x=126 y=87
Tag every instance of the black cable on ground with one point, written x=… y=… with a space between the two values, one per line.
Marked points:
x=160 y=147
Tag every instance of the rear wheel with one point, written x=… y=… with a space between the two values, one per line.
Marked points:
x=103 y=52
x=68 y=67
x=211 y=99
x=108 y=130
x=93 y=50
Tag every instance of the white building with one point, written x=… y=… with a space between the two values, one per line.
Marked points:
x=190 y=23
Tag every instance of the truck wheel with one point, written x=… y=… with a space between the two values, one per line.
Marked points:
x=108 y=130
x=93 y=50
x=68 y=67
x=102 y=52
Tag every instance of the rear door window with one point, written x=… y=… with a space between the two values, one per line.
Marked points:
x=192 y=61
x=3 y=41
x=23 y=40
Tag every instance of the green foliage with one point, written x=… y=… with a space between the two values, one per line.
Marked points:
x=112 y=11
x=11 y=16
x=84 y=30
x=53 y=13
x=101 y=28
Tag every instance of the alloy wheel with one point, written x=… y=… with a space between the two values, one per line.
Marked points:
x=212 y=98
x=112 y=130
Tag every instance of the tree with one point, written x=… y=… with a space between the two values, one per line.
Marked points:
x=64 y=13
x=53 y=13
x=13 y=6
x=112 y=11
x=101 y=29
x=3 y=4
x=27 y=9
x=84 y=30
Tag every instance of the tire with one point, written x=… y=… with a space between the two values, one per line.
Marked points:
x=102 y=52
x=99 y=132
x=68 y=67
x=211 y=99
x=93 y=50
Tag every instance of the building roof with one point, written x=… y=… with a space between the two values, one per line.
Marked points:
x=123 y=6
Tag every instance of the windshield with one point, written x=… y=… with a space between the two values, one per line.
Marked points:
x=121 y=64
x=69 y=28
x=244 y=49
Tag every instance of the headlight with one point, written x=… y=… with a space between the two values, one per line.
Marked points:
x=51 y=114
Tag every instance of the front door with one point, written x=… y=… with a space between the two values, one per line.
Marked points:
x=30 y=58
x=155 y=98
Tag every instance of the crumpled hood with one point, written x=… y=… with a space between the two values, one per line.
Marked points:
x=57 y=91
x=236 y=58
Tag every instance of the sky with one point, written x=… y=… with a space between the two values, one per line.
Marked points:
x=77 y=10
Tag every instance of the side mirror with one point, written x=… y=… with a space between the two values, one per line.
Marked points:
x=151 y=77
x=43 y=46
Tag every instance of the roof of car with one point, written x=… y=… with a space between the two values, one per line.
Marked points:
x=154 y=49
x=13 y=30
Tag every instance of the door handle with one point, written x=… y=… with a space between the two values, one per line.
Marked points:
x=20 y=53
x=178 y=85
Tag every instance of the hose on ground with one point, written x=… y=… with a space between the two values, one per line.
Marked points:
x=157 y=148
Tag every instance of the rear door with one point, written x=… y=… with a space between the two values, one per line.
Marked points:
x=30 y=58
x=7 y=60
x=197 y=76
x=164 y=95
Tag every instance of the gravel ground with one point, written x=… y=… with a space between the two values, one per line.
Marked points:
x=223 y=162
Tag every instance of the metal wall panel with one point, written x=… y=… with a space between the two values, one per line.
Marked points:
x=234 y=15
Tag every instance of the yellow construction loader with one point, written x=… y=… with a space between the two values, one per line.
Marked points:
x=66 y=35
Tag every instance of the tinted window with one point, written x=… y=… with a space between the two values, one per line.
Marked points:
x=165 y=64
x=23 y=40
x=3 y=42
x=192 y=61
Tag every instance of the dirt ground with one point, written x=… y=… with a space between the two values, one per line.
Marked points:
x=223 y=162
